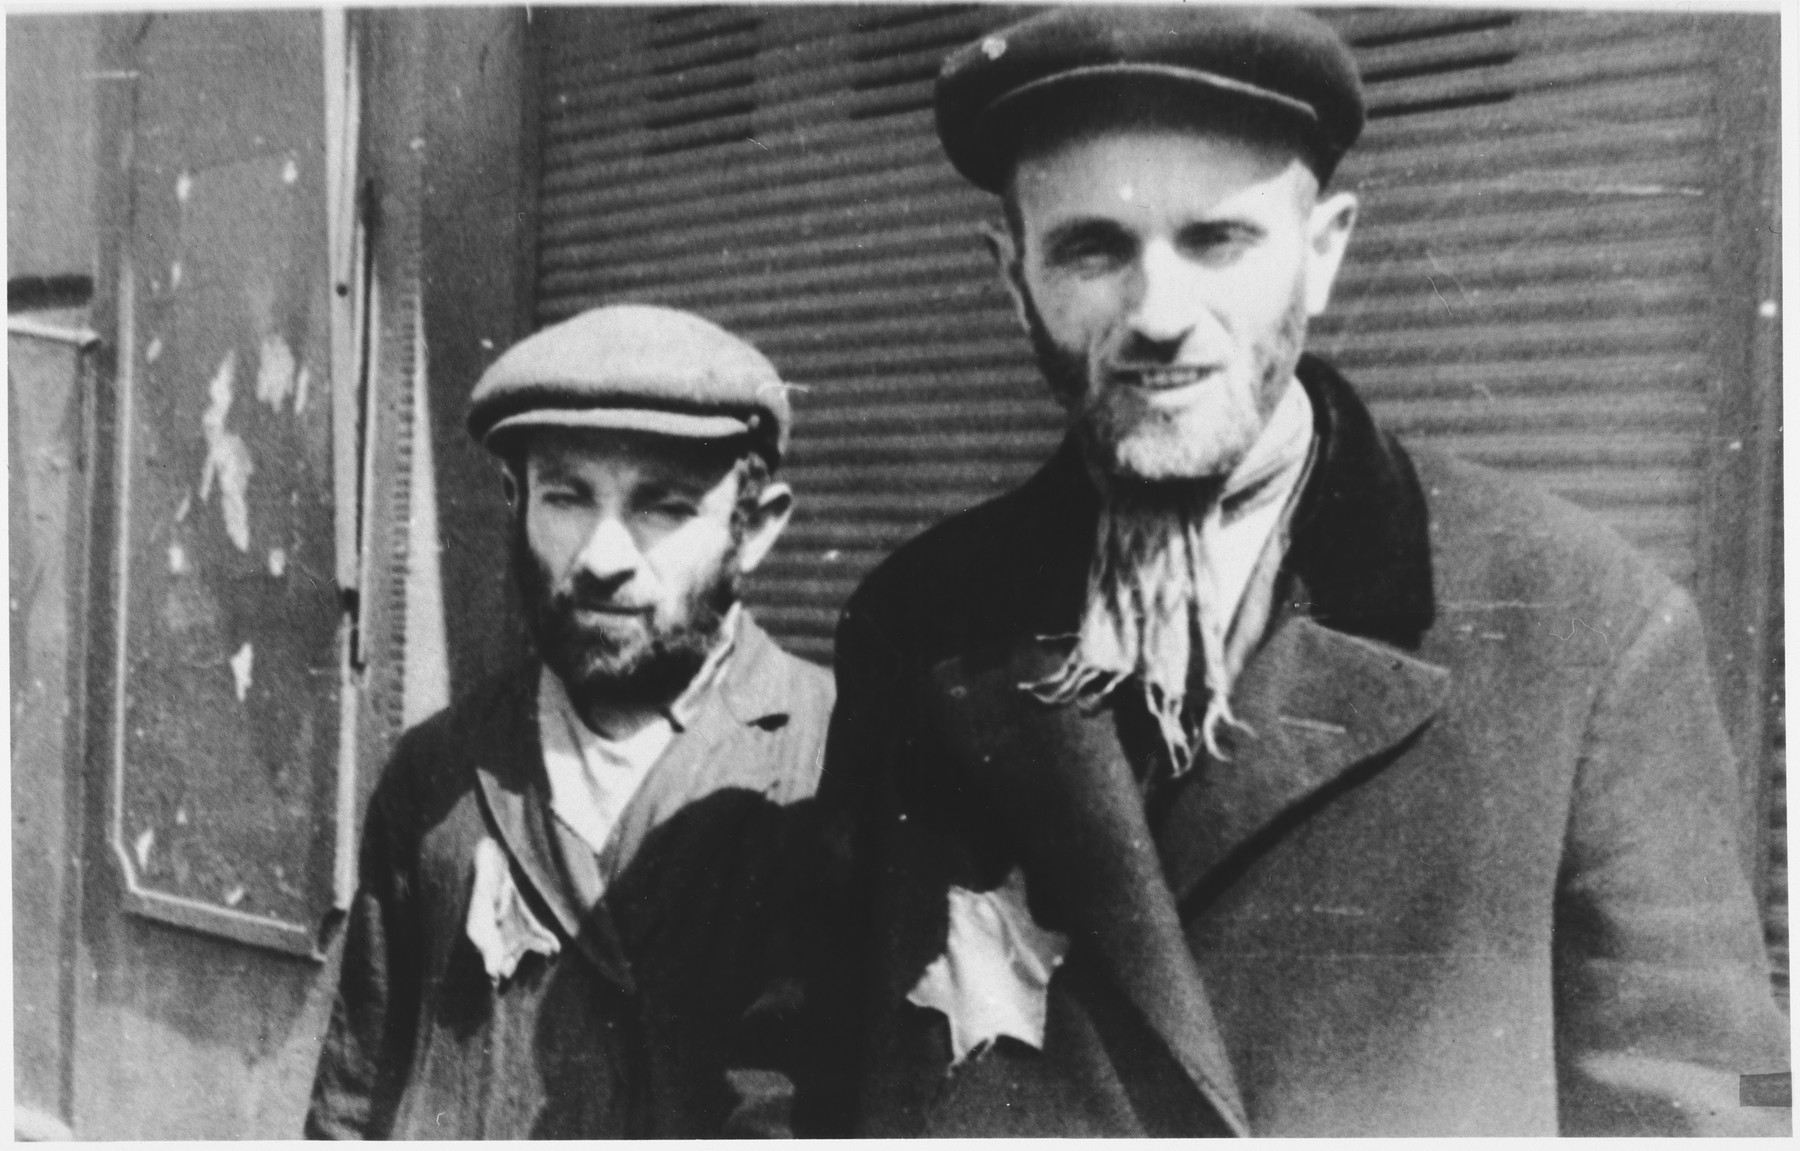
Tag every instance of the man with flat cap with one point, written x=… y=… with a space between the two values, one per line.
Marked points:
x=571 y=919
x=1241 y=773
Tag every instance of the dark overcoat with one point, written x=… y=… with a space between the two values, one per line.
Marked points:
x=1471 y=870
x=664 y=1011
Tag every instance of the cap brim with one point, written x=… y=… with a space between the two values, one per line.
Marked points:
x=688 y=425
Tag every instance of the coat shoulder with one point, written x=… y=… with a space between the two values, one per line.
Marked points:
x=947 y=556
x=767 y=680
x=979 y=577
x=1500 y=542
x=809 y=693
x=809 y=687
x=433 y=762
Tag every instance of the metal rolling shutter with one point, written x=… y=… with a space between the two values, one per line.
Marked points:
x=1530 y=285
x=1527 y=287
x=1533 y=283
x=775 y=169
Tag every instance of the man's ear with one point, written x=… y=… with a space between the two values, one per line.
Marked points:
x=1328 y=235
x=773 y=507
x=509 y=484
x=1004 y=250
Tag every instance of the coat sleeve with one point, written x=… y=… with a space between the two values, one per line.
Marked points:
x=364 y=1062
x=770 y=1049
x=1662 y=980
x=836 y=961
x=873 y=905
x=896 y=827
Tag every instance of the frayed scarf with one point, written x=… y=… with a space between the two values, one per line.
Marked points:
x=1185 y=566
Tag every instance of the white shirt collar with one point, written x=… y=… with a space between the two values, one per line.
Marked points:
x=593 y=778
x=1259 y=495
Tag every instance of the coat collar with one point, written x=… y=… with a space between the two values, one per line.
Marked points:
x=752 y=683
x=1331 y=691
x=1334 y=687
x=1361 y=542
x=509 y=768
x=1060 y=780
x=1320 y=708
x=1318 y=704
x=1360 y=553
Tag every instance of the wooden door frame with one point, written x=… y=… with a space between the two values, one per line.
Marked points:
x=1739 y=549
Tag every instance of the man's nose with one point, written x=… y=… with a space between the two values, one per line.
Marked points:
x=1165 y=305
x=610 y=552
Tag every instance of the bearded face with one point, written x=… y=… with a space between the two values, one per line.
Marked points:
x=1165 y=277
x=1134 y=433
x=643 y=657
x=627 y=551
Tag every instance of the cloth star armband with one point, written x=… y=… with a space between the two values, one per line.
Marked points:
x=994 y=976
x=500 y=924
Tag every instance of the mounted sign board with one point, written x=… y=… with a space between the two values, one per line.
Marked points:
x=231 y=629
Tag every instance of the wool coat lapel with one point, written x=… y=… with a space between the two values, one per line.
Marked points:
x=1077 y=813
x=1316 y=705
x=515 y=795
x=1332 y=689
x=1334 y=685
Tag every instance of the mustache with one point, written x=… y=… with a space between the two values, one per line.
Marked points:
x=1074 y=374
x=584 y=591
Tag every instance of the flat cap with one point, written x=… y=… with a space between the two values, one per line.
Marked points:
x=635 y=367
x=1282 y=61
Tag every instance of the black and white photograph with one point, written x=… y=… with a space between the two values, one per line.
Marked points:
x=945 y=570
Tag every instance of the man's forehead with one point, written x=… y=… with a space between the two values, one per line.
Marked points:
x=1120 y=165
x=1063 y=124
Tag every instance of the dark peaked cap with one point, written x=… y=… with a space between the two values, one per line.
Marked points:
x=1280 y=59
x=635 y=367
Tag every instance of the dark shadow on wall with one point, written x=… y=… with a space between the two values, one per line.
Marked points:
x=474 y=238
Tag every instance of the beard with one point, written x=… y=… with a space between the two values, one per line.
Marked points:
x=1126 y=434
x=621 y=660
x=1154 y=608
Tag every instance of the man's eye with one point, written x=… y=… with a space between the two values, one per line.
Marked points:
x=1088 y=251
x=1216 y=245
x=558 y=498
x=672 y=508
x=1086 y=258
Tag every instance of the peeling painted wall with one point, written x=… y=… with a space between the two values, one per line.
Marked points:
x=217 y=476
x=214 y=737
x=228 y=757
x=50 y=144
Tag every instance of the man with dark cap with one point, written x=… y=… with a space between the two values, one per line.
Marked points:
x=1242 y=772
x=571 y=915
